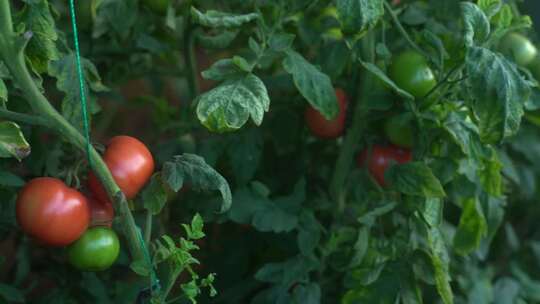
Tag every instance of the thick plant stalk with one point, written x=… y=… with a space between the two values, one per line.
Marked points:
x=11 y=52
x=345 y=158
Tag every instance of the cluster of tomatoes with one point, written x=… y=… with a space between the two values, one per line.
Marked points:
x=411 y=72
x=54 y=214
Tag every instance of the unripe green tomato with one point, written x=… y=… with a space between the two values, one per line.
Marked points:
x=519 y=47
x=96 y=250
x=399 y=131
x=534 y=67
x=411 y=72
x=157 y=6
x=85 y=11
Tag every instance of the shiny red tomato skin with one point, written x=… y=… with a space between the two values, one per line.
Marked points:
x=327 y=129
x=381 y=159
x=51 y=212
x=131 y=165
x=101 y=213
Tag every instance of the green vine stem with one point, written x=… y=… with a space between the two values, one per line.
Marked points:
x=402 y=30
x=23 y=118
x=190 y=59
x=346 y=154
x=11 y=52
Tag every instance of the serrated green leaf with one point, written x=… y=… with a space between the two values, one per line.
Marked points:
x=490 y=7
x=229 y=106
x=222 y=70
x=472 y=227
x=193 y=169
x=497 y=94
x=220 y=19
x=67 y=81
x=219 y=41
x=3 y=92
x=440 y=261
x=245 y=151
x=41 y=49
x=313 y=84
x=476 y=23
x=359 y=15
x=414 y=178
x=12 y=141
x=375 y=70
x=154 y=195
x=9 y=179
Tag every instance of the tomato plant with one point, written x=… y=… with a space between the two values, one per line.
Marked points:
x=96 y=250
x=324 y=128
x=51 y=212
x=417 y=185
x=131 y=165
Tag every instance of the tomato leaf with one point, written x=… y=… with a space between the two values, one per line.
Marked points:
x=220 y=19
x=245 y=151
x=3 y=92
x=12 y=141
x=67 y=81
x=440 y=262
x=414 y=178
x=375 y=70
x=313 y=84
x=477 y=27
x=219 y=41
x=229 y=106
x=472 y=227
x=359 y=15
x=293 y=270
x=194 y=170
x=497 y=94
x=41 y=48
x=154 y=195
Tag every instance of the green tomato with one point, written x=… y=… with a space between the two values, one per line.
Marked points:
x=399 y=131
x=534 y=67
x=157 y=6
x=96 y=250
x=519 y=47
x=411 y=72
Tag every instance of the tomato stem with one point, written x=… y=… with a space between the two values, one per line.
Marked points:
x=346 y=154
x=402 y=30
x=12 y=53
x=148 y=226
x=24 y=118
x=189 y=58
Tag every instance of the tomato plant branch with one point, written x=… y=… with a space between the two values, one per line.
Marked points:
x=11 y=52
x=346 y=154
x=402 y=30
x=189 y=58
x=148 y=227
x=23 y=118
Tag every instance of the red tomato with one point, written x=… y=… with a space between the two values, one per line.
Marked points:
x=51 y=212
x=381 y=159
x=131 y=165
x=327 y=129
x=101 y=213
